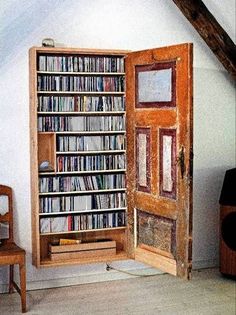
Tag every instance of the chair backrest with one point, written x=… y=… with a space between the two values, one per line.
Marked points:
x=6 y=217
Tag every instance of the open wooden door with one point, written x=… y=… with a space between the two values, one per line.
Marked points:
x=159 y=157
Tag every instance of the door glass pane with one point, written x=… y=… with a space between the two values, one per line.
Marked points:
x=155 y=85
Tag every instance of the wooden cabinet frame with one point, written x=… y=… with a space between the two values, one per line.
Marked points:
x=145 y=116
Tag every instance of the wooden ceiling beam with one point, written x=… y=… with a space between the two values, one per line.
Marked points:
x=211 y=31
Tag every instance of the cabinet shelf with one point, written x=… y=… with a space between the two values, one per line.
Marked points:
x=81 y=212
x=82 y=192
x=68 y=73
x=83 y=113
x=90 y=152
x=120 y=255
x=79 y=93
x=90 y=133
x=83 y=172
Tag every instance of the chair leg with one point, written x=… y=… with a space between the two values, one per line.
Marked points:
x=11 y=278
x=23 y=287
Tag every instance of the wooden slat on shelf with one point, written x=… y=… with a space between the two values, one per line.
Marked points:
x=82 y=250
x=81 y=246
x=83 y=254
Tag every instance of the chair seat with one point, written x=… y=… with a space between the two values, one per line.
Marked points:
x=10 y=253
x=10 y=249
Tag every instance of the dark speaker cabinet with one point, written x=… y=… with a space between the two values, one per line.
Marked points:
x=228 y=240
x=228 y=224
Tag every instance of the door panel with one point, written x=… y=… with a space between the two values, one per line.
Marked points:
x=159 y=148
x=143 y=159
x=167 y=166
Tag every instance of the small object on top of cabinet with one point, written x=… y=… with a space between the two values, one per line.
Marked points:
x=48 y=42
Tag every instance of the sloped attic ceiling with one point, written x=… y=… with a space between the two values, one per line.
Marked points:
x=211 y=31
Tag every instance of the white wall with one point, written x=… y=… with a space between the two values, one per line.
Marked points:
x=119 y=24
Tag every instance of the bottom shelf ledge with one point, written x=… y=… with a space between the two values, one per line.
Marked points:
x=120 y=255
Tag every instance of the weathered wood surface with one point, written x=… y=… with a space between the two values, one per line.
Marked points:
x=178 y=208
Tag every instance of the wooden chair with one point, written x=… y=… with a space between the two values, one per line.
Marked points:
x=10 y=253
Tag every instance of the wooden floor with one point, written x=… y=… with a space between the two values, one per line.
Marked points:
x=207 y=293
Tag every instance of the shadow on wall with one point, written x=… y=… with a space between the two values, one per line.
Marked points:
x=208 y=183
x=206 y=210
